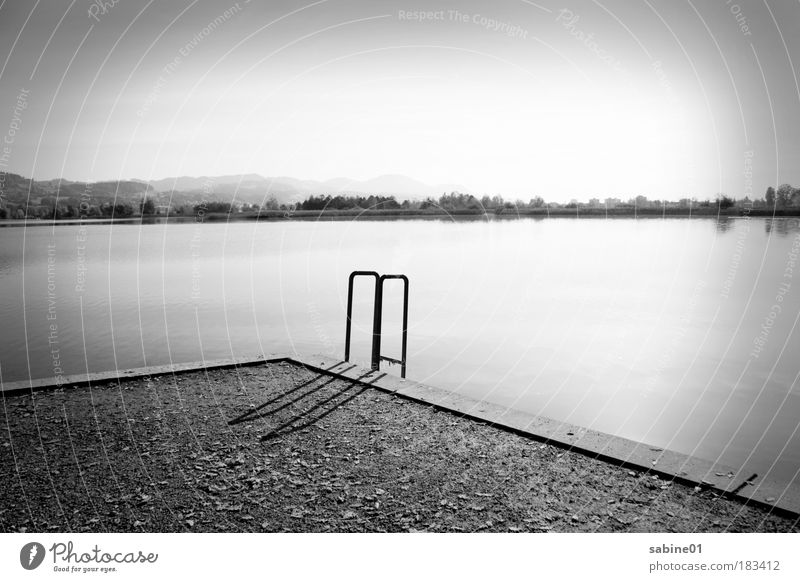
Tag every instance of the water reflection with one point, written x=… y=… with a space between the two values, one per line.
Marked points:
x=724 y=223
x=781 y=226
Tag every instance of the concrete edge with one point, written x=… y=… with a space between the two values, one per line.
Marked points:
x=781 y=499
x=23 y=387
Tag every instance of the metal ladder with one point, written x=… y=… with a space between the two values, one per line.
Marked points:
x=377 y=319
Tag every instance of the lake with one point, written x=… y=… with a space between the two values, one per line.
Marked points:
x=681 y=333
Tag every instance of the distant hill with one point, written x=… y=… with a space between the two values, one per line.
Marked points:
x=254 y=188
x=201 y=183
x=36 y=196
x=22 y=197
x=15 y=188
x=397 y=185
x=19 y=190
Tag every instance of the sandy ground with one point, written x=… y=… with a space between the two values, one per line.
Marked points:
x=280 y=448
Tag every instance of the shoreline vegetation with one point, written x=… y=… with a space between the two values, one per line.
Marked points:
x=399 y=214
x=26 y=200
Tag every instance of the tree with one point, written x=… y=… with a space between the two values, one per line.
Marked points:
x=427 y=203
x=271 y=204
x=725 y=202
x=121 y=210
x=769 y=197
x=783 y=195
x=537 y=202
x=148 y=206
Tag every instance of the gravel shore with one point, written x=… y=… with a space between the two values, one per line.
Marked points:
x=278 y=448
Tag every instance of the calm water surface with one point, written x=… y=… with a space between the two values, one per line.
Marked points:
x=679 y=333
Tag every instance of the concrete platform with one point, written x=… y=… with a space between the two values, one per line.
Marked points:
x=731 y=482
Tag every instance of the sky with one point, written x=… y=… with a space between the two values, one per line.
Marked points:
x=570 y=99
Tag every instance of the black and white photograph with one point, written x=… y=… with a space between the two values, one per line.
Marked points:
x=446 y=275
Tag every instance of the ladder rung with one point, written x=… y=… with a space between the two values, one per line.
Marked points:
x=392 y=360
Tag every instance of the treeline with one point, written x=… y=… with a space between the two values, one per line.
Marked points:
x=53 y=211
x=349 y=202
x=785 y=199
x=786 y=196
x=450 y=202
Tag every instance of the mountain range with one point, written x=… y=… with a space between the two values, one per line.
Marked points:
x=246 y=187
x=250 y=188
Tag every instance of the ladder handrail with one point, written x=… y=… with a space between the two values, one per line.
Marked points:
x=405 y=323
x=377 y=320
x=353 y=275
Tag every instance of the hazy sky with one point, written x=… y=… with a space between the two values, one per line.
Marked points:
x=666 y=98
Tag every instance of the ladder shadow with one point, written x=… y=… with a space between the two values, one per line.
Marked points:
x=257 y=413
x=325 y=407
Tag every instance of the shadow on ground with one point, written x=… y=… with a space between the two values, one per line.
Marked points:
x=305 y=404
